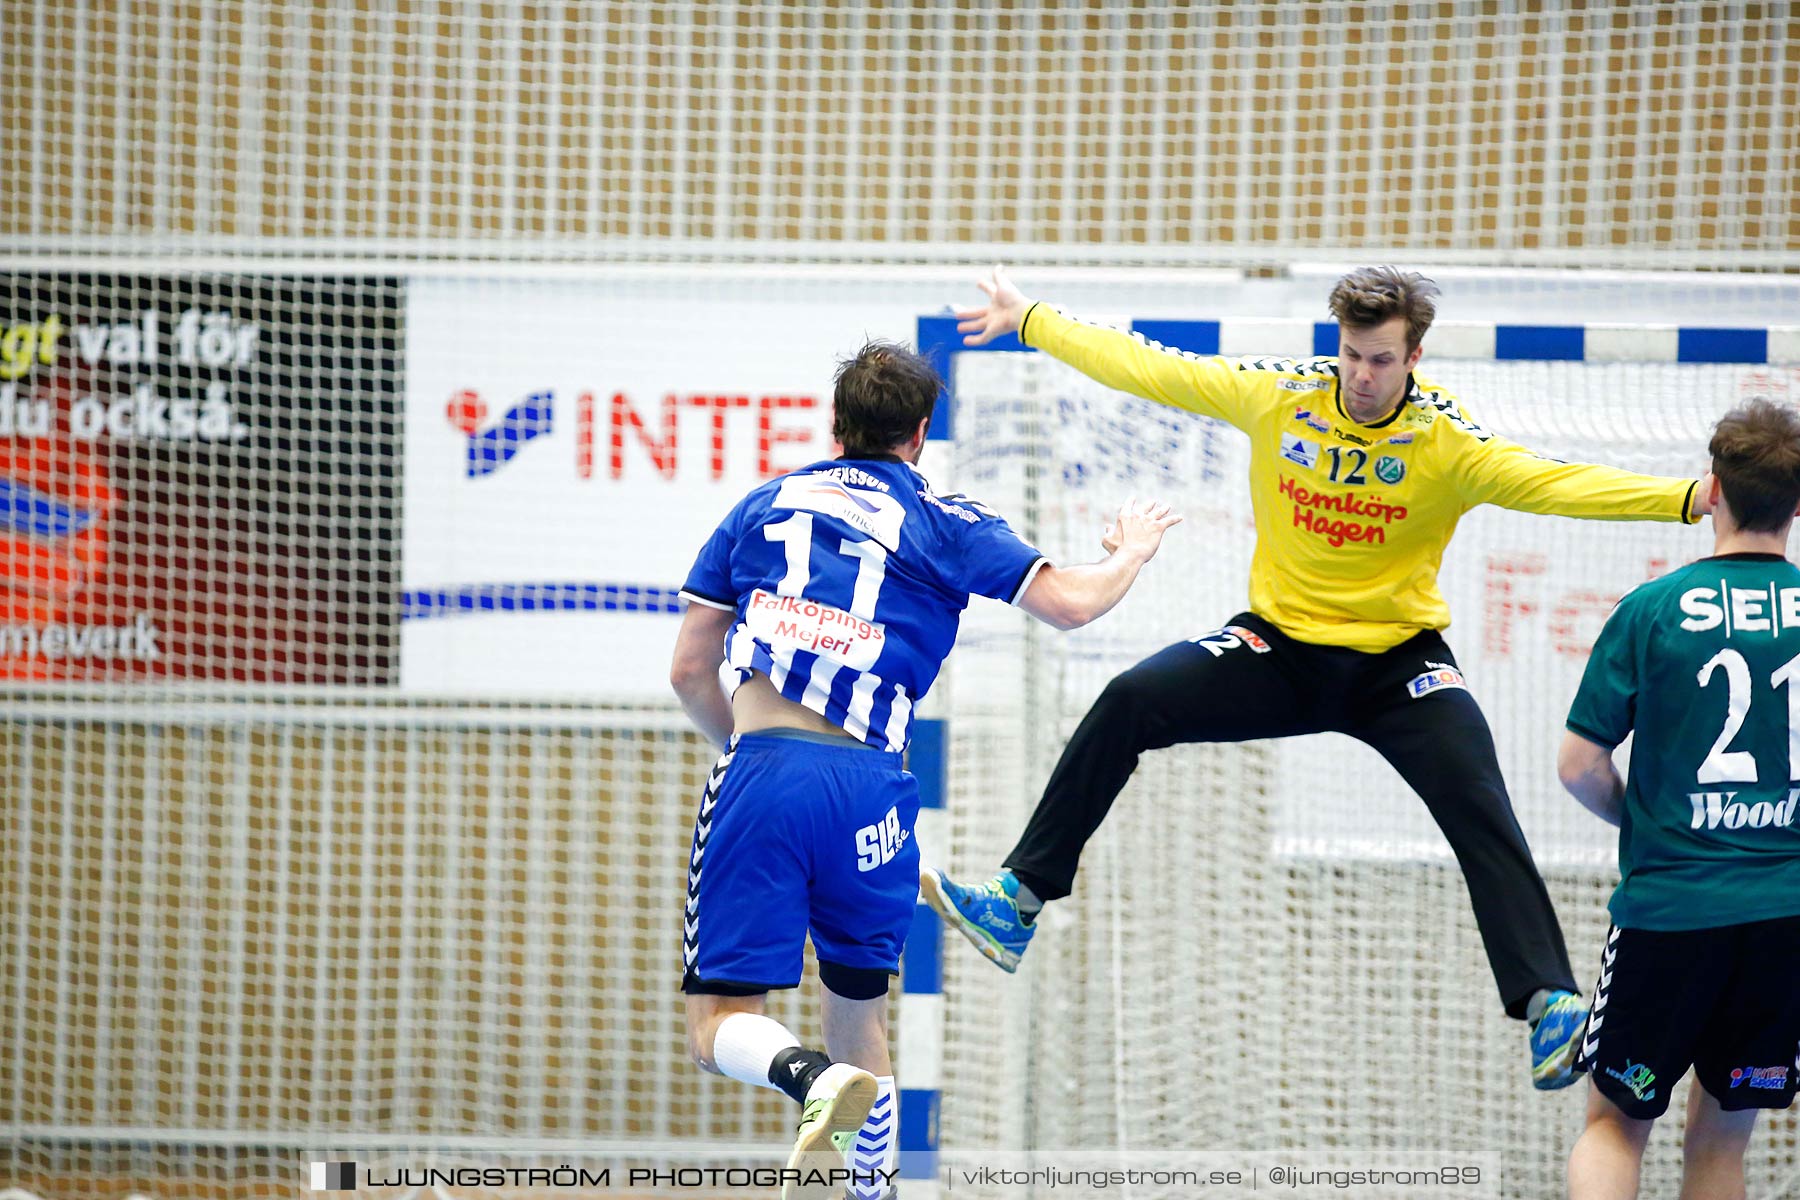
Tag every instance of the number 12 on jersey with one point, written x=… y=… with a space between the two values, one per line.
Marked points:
x=1356 y=460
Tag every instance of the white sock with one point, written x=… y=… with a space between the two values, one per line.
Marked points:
x=877 y=1146
x=745 y=1046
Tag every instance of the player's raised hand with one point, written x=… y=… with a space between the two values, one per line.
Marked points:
x=1005 y=309
x=1139 y=528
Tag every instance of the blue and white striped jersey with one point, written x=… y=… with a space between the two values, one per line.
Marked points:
x=848 y=578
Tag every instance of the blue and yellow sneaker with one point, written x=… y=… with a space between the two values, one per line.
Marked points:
x=987 y=915
x=1554 y=1039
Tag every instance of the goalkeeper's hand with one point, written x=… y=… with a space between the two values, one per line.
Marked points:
x=1139 y=527
x=1703 y=505
x=1005 y=310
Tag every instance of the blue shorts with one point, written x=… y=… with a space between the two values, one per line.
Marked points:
x=794 y=834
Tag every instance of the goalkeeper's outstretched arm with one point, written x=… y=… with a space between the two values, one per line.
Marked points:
x=1206 y=384
x=1497 y=470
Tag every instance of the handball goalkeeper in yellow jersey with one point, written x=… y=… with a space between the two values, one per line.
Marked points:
x=1359 y=472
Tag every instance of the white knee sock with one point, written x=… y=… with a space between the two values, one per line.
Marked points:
x=745 y=1046
x=877 y=1146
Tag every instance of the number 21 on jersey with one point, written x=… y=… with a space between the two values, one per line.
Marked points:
x=1723 y=765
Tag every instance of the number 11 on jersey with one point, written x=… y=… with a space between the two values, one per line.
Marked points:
x=796 y=536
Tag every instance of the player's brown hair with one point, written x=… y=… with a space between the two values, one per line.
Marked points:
x=882 y=393
x=1756 y=455
x=1373 y=295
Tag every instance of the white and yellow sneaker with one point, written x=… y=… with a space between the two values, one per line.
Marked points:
x=836 y=1107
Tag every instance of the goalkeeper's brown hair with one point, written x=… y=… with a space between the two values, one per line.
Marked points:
x=1756 y=456
x=882 y=393
x=1370 y=296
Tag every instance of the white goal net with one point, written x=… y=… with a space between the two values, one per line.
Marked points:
x=1165 y=133
x=371 y=371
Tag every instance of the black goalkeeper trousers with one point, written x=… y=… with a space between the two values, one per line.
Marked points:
x=1250 y=681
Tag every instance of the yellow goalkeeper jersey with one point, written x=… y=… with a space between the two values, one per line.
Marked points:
x=1352 y=519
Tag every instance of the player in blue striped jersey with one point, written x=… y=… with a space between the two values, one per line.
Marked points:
x=819 y=613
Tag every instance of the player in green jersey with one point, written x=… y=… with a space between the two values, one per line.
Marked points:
x=1702 y=965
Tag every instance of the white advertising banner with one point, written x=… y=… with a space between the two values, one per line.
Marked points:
x=570 y=445
x=571 y=441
